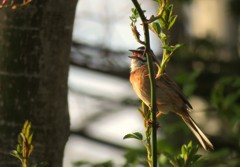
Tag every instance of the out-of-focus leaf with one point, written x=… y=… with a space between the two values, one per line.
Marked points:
x=80 y=163
x=172 y=21
x=104 y=164
x=156 y=27
x=136 y=135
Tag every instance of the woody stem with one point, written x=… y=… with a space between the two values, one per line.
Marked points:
x=153 y=109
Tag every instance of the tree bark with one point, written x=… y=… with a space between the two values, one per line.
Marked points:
x=35 y=43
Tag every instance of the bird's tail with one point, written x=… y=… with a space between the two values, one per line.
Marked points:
x=202 y=138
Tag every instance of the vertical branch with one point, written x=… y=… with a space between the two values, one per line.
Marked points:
x=152 y=83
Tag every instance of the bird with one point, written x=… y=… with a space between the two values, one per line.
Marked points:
x=169 y=97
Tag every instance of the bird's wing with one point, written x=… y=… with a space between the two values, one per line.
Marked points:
x=171 y=84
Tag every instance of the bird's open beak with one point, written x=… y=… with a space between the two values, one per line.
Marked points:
x=133 y=57
x=136 y=51
x=132 y=50
x=135 y=54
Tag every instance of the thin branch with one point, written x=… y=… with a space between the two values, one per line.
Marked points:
x=152 y=83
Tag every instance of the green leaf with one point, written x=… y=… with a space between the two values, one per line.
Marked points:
x=41 y=164
x=172 y=21
x=27 y=133
x=30 y=139
x=167 y=15
x=162 y=21
x=25 y=126
x=169 y=9
x=184 y=149
x=194 y=150
x=167 y=20
x=190 y=144
x=20 y=139
x=104 y=164
x=172 y=48
x=156 y=27
x=178 y=46
x=136 y=135
x=15 y=154
x=134 y=15
x=196 y=157
x=134 y=11
x=80 y=163
x=168 y=48
x=19 y=149
x=30 y=150
x=162 y=36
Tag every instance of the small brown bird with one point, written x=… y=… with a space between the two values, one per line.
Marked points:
x=169 y=96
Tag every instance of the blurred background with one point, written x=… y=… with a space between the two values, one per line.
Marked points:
x=103 y=106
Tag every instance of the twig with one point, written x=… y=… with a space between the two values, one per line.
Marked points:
x=153 y=108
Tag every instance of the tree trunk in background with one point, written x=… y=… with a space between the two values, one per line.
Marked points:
x=213 y=20
x=35 y=43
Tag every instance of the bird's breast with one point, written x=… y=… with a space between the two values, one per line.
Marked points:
x=140 y=83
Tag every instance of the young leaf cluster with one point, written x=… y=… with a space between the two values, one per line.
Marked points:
x=167 y=20
x=25 y=146
x=160 y=26
x=186 y=158
x=134 y=17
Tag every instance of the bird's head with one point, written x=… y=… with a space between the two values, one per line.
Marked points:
x=138 y=58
